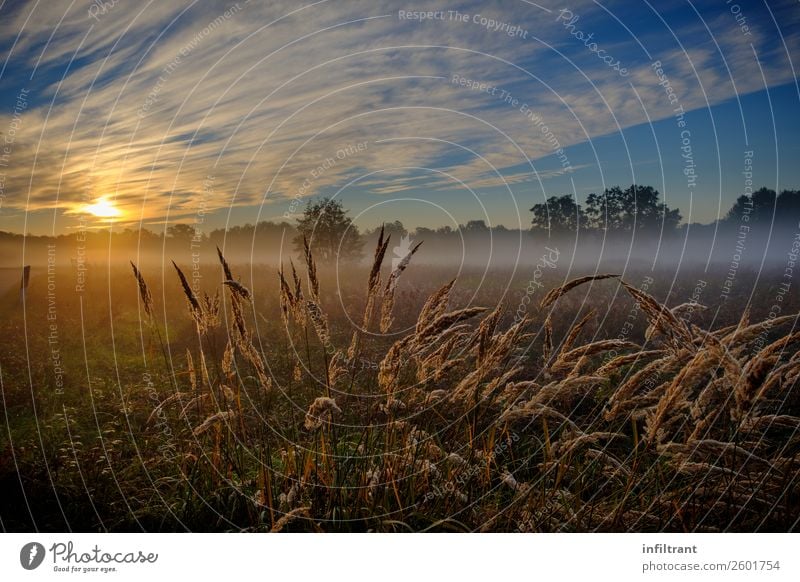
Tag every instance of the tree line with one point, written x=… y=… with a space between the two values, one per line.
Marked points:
x=331 y=234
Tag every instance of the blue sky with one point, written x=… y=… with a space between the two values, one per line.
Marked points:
x=142 y=104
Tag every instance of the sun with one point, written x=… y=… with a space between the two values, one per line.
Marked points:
x=103 y=208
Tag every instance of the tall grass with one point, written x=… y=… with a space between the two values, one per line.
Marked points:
x=458 y=424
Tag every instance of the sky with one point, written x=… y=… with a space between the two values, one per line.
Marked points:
x=215 y=114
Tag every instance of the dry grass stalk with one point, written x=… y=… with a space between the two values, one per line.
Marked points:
x=564 y=392
x=319 y=321
x=661 y=317
x=531 y=410
x=612 y=467
x=238 y=289
x=213 y=420
x=559 y=291
x=547 y=348
x=195 y=309
x=704 y=362
x=389 y=368
x=374 y=281
x=775 y=421
x=492 y=389
x=299 y=308
x=229 y=363
x=517 y=392
x=320 y=412
x=311 y=268
x=744 y=335
x=191 y=370
x=435 y=306
x=387 y=307
x=337 y=368
x=596 y=348
x=687 y=308
x=719 y=450
x=211 y=310
x=758 y=369
x=444 y=322
x=253 y=356
x=624 y=392
x=285 y=298
x=626 y=359
x=576 y=330
x=569 y=445
x=294 y=514
x=194 y=403
x=178 y=396
x=240 y=327
x=485 y=332
x=144 y=291
x=709 y=406
x=438 y=363
x=785 y=375
x=373 y=287
x=225 y=267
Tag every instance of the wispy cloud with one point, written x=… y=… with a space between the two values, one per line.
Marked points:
x=145 y=102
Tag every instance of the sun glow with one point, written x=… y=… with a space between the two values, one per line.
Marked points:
x=103 y=208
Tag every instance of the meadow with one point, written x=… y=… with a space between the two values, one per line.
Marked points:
x=403 y=397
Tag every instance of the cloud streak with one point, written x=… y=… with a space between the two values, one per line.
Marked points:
x=145 y=102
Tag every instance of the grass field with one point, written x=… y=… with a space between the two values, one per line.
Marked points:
x=406 y=400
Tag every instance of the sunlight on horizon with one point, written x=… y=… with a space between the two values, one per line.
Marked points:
x=103 y=208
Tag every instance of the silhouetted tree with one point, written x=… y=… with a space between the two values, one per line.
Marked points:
x=764 y=201
x=739 y=209
x=329 y=231
x=788 y=206
x=634 y=208
x=180 y=232
x=395 y=229
x=558 y=214
x=475 y=226
x=764 y=206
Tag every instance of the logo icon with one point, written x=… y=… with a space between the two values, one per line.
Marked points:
x=31 y=555
x=401 y=250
